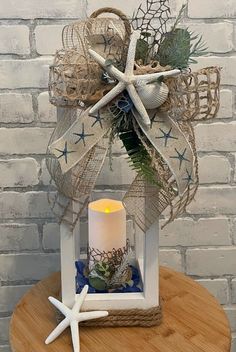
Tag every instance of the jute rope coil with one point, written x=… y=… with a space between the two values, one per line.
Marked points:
x=125 y=317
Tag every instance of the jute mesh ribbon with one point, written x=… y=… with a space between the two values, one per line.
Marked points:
x=74 y=77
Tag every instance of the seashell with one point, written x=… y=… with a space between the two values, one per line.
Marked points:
x=153 y=95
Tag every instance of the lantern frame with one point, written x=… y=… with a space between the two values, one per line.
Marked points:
x=146 y=251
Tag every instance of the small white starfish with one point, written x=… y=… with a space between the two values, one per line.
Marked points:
x=72 y=318
x=128 y=80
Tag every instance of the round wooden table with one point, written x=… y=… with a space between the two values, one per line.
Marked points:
x=193 y=322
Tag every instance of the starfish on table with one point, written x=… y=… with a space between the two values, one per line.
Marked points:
x=128 y=80
x=72 y=318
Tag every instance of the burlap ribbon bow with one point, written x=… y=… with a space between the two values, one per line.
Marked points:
x=80 y=144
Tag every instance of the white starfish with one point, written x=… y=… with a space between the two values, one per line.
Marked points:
x=72 y=318
x=128 y=80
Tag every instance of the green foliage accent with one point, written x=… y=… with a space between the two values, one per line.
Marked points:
x=97 y=283
x=139 y=158
x=141 y=50
x=178 y=47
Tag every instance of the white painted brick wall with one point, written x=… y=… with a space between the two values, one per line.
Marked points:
x=19 y=172
x=203 y=232
x=217 y=36
x=209 y=137
x=16 y=266
x=14 y=40
x=202 y=243
x=218 y=288
x=16 y=108
x=31 y=9
x=212 y=9
x=214 y=169
x=211 y=261
x=54 y=39
x=32 y=73
x=47 y=111
x=27 y=140
x=19 y=237
x=226 y=104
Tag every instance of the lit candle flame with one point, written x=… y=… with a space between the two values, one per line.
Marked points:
x=107 y=210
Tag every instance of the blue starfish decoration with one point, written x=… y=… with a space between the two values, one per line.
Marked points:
x=188 y=177
x=180 y=156
x=82 y=135
x=166 y=135
x=98 y=119
x=64 y=152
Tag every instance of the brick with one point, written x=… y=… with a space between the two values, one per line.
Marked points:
x=211 y=9
x=45 y=176
x=43 y=9
x=14 y=40
x=217 y=287
x=4 y=328
x=203 y=232
x=216 y=137
x=211 y=261
x=17 y=237
x=10 y=296
x=171 y=258
x=16 y=108
x=231 y=314
x=51 y=236
x=228 y=76
x=32 y=266
x=47 y=111
x=226 y=104
x=53 y=42
x=32 y=73
x=5 y=348
x=126 y=6
x=214 y=169
x=129 y=7
x=15 y=205
x=234 y=291
x=234 y=230
x=19 y=172
x=217 y=36
x=27 y=140
x=233 y=344
x=213 y=201
x=121 y=173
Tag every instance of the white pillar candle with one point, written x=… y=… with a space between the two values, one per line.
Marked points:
x=107 y=224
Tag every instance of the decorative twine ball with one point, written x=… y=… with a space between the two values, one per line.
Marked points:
x=75 y=78
x=153 y=95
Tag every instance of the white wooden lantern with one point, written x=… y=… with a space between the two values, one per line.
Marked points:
x=145 y=246
x=146 y=251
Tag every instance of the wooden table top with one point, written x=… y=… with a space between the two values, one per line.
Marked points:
x=193 y=322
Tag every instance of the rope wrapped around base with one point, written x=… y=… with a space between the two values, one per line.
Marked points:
x=125 y=317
